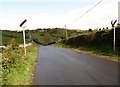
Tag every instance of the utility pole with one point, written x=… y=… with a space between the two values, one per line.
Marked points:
x=24 y=36
x=113 y=26
x=66 y=32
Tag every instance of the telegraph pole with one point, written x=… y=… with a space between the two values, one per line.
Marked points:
x=66 y=32
x=24 y=36
x=113 y=26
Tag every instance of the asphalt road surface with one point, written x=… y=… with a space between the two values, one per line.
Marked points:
x=58 y=66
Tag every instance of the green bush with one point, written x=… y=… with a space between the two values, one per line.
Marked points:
x=12 y=60
x=100 y=40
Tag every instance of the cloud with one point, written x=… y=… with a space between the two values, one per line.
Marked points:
x=83 y=1
x=119 y=13
x=99 y=17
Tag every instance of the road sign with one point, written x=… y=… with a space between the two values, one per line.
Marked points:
x=23 y=23
x=24 y=35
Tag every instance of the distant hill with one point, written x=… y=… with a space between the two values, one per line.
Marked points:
x=42 y=36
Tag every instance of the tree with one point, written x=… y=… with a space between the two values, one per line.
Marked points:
x=90 y=30
x=47 y=38
x=106 y=27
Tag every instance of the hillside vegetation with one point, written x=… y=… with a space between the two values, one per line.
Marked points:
x=97 y=40
x=19 y=71
x=8 y=36
x=42 y=36
x=100 y=41
x=49 y=36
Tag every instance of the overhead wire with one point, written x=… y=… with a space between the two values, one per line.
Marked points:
x=84 y=13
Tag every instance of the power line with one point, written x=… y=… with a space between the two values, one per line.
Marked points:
x=85 y=12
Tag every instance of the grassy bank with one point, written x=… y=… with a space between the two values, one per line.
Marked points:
x=91 y=51
x=97 y=42
x=17 y=70
x=0 y=69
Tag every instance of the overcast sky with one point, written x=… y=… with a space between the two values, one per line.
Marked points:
x=57 y=13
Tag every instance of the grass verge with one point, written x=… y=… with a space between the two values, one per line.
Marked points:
x=16 y=70
x=0 y=69
x=91 y=51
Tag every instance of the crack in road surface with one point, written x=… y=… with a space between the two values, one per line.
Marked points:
x=58 y=66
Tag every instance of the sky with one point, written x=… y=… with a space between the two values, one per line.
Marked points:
x=57 y=13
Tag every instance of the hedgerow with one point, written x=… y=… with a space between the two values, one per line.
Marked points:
x=12 y=60
x=101 y=40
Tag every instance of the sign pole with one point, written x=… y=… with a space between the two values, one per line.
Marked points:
x=113 y=25
x=24 y=36
x=114 y=40
x=24 y=41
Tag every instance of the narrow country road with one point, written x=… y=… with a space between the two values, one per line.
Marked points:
x=58 y=66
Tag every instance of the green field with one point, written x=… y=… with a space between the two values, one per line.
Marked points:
x=8 y=36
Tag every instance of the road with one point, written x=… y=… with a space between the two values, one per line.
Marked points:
x=59 y=66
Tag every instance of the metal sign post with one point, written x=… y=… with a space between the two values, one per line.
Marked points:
x=113 y=25
x=24 y=41
x=24 y=35
x=114 y=40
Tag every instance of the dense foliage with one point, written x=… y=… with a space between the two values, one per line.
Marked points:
x=48 y=36
x=42 y=36
x=101 y=40
x=12 y=60
x=16 y=68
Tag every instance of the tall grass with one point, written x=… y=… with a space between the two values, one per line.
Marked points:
x=16 y=69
